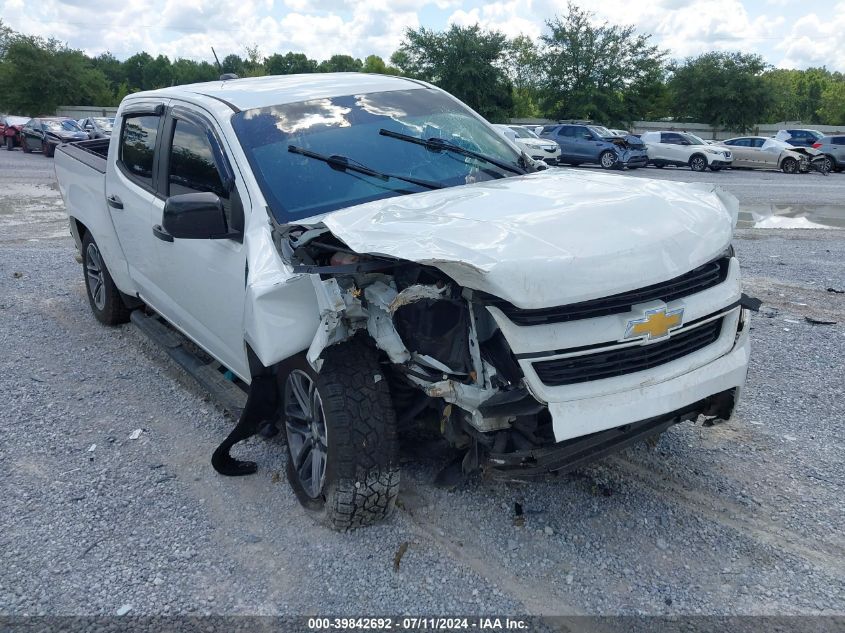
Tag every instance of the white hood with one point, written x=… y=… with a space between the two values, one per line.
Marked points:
x=549 y=238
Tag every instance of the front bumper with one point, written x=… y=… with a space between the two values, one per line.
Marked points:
x=582 y=408
x=721 y=163
x=633 y=159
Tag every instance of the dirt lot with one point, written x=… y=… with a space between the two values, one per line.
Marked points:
x=743 y=518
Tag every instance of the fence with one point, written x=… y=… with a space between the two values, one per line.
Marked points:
x=708 y=131
x=83 y=112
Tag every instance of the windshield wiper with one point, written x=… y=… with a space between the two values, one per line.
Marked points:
x=442 y=144
x=343 y=163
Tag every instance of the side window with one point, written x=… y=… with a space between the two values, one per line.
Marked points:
x=192 y=166
x=583 y=133
x=838 y=140
x=742 y=142
x=758 y=142
x=564 y=130
x=669 y=138
x=137 y=145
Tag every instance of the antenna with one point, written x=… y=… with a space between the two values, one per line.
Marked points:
x=219 y=67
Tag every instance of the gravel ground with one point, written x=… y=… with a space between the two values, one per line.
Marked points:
x=743 y=518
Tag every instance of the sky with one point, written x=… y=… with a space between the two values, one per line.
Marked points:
x=787 y=33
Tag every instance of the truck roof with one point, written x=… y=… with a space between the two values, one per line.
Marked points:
x=260 y=92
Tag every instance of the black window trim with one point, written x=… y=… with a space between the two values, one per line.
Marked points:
x=134 y=112
x=221 y=161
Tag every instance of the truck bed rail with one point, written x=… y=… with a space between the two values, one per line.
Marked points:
x=92 y=152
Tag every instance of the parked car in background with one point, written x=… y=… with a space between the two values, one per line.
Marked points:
x=595 y=144
x=759 y=152
x=10 y=130
x=799 y=138
x=685 y=150
x=46 y=133
x=97 y=126
x=536 y=147
x=833 y=148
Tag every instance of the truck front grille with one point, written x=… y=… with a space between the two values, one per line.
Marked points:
x=627 y=360
x=702 y=278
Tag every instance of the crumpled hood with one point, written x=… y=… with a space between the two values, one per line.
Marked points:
x=549 y=238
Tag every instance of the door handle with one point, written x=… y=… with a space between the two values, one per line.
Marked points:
x=114 y=202
x=161 y=234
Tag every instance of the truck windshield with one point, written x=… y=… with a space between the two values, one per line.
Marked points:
x=296 y=186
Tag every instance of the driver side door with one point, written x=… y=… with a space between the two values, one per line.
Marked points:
x=200 y=284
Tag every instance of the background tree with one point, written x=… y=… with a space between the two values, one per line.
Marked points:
x=605 y=72
x=340 y=64
x=289 y=64
x=832 y=108
x=375 y=64
x=522 y=61
x=722 y=89
x=467 y=61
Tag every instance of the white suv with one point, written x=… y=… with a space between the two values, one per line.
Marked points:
x=684 y=149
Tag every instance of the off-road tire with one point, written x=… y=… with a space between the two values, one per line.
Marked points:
x=789 y=166
x=362 y=465
x=608 y=160
x=114 y=310
x=698 y=162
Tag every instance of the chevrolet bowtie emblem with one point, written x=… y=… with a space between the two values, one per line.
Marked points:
x=655 y=324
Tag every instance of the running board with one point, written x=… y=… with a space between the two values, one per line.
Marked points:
x=224 y=392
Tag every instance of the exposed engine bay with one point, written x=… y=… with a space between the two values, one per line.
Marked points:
x=444 y=349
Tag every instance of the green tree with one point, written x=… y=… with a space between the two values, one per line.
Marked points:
x=135 y=69
x=375 y=64
x=254 y=62
x=722 y=89
x=289 y=64
x=605 y=72
x=340 y=64
x=466 y=61
x=234 y=64
x=522 y=61
x=832 y=108
x=187 y=71
x=38 y=75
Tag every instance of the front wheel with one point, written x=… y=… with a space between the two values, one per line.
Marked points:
x=343 y=450
x=47 y=149
x=827 y=164
x=789 y=166
x=26 y=149
x=103 y=296
x=698 y=163
x=10 y=143
x=607 y=159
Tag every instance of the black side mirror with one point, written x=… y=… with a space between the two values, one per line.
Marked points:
x=196 y=216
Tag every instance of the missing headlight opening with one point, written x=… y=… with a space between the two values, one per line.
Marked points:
x=445 y=352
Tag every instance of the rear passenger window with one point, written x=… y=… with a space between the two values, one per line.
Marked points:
x=137 y=145
x=192 y=166
x=567 y=130
x=838 y=140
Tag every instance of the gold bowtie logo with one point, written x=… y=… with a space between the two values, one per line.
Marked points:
x=655 y=324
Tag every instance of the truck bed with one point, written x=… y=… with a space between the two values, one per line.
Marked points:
x=92 y=152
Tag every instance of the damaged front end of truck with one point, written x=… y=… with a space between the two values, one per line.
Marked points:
x=444 y=350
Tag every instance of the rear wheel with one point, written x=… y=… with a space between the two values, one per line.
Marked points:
x=24 y=146
x=697 y=162
x=659 y=165
x=607 y=159
x=828 y=164
x=103 y=296
x=789 y=166
x=10 y=143
x=343 y=461
x=47 y=149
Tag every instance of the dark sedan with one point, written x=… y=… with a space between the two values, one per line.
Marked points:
x=46 y=133
x=10 y=130
x=97 y=126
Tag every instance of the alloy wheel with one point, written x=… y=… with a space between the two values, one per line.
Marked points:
x=307 y=434
x=95 y=276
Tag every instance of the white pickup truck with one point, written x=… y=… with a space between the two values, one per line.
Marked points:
x=375 y=251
